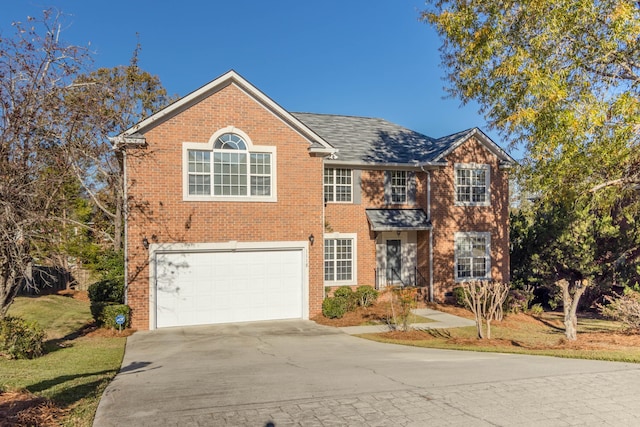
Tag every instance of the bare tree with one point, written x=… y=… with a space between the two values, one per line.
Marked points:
x=485 y=298
x=111 y=100
x=36 y=69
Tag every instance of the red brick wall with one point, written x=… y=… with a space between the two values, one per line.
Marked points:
x=158 y=212
x=448 y=218
x=352 y=218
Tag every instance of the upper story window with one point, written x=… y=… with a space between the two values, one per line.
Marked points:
x=338 y=184
x=229 y=168
x=472 y=256
x=398 y=187
x=472 y=184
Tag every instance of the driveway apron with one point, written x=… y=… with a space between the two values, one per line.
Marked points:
x=300 y=373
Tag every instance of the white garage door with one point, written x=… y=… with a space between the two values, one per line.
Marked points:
x=221 y=287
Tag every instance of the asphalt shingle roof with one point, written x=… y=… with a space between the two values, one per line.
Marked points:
x=377 y=141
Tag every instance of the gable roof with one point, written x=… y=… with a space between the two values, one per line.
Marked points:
x=453 y=141
x=135 y=132
x=368 y=141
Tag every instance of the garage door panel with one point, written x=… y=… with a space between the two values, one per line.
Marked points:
x=221 y=287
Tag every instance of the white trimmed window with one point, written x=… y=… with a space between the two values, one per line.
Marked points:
x=472 y=184
x=338 y=184
x=339 y=258
x=399 y=187
x=472 y=256
x=229 y=168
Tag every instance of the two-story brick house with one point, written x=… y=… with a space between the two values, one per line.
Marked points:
x=239 y=210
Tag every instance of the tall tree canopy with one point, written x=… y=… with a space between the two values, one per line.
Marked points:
x=561 y=80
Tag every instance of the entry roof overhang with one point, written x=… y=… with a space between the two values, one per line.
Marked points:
x=398 y=219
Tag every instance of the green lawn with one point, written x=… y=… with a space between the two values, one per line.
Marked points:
x=597 y=339
x=76 y=368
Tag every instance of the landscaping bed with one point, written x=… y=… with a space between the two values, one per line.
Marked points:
x=541 y=334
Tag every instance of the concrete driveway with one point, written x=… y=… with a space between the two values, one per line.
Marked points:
x=299 y=373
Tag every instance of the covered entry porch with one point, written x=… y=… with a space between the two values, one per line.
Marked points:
x=403 y=249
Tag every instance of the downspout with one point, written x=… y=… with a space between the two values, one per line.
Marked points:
x=125 y=213
x=431 y=296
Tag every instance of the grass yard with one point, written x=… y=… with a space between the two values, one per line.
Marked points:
x=67 y=382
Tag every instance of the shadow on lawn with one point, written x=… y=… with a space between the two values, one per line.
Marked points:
x=64 y=342
x=69 y=395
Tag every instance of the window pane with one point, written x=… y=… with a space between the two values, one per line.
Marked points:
x=472 y=256
x=338 y=259
x=471 y=185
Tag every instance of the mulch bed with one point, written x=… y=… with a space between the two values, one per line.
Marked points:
x=26 y=409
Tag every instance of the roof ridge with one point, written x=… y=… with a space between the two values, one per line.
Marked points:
x=341 y=115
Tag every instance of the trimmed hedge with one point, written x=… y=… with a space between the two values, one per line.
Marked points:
x=109 y=290
x=334 y=307
x=21 y=339
x=348 y=295
x=105 y=314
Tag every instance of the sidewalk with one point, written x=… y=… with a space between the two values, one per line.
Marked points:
x=441 y=321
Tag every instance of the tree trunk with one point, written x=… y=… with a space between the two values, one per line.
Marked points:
x=8 y=290
x=570 y=300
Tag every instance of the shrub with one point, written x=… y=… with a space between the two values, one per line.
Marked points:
x=349 y=296
x=366 y=295
x=105 y=314
x=518 y=300
x=334 y=307
x=109 y=290
x=624 y=308
x=20 y=339
x=536 y=309
x=458 y=296
x=404 y=299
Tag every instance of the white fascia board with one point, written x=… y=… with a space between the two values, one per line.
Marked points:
x=386 y=166
x=230 y=77
x=487 y=142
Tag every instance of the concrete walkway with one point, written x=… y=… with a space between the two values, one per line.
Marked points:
x=440 y=321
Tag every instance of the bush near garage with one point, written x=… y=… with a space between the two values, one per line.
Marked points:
x=344 y=299
x=105 y=313
x=21 y=339
x=107 y=297
x=334 y=307
x=349 y=296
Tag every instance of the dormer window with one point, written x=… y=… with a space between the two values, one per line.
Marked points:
x=231 y=169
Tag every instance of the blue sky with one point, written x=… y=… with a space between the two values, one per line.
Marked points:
x=364 y=58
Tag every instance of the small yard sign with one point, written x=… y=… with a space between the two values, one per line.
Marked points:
x=120 y=320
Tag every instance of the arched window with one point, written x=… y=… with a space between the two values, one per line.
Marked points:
x=230 y=169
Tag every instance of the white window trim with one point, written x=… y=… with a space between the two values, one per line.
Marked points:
x=354 y=260
x=208 y=146
x=406 y=187
x=467 y=166
x=334 y=186
x=461 y=235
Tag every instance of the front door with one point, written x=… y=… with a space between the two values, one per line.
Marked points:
x=394 y=261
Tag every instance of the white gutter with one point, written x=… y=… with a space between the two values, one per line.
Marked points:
x=125 y=213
